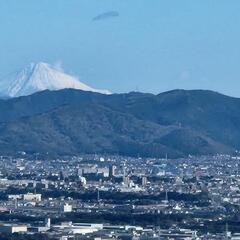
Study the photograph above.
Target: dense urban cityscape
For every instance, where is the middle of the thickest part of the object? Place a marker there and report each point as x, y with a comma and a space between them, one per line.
119, 120
117, 197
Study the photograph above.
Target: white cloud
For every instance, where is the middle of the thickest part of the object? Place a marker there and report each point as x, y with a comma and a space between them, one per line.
58, 65
185, 75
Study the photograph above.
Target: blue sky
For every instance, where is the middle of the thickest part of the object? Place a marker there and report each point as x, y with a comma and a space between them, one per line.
152, 46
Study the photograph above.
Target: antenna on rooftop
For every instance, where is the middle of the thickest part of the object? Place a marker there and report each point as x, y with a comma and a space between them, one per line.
226, 231
166, 196
98, 195
238, 169
124, 171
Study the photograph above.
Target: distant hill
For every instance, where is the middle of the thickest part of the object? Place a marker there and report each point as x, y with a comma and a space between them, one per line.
71, 121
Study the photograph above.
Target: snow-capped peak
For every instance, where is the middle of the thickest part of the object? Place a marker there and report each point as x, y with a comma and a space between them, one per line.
39, 77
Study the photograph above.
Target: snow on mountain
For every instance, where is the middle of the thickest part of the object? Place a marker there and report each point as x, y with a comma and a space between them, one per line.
39, 77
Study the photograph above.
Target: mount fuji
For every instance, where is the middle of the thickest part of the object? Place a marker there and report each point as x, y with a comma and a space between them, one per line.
39, 77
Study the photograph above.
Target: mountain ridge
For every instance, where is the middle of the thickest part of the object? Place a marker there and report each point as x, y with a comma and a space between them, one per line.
178, 123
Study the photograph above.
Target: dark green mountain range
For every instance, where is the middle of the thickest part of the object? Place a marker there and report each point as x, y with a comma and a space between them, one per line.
70, 121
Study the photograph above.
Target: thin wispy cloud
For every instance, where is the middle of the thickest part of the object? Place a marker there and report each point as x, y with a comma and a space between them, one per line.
106, 15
